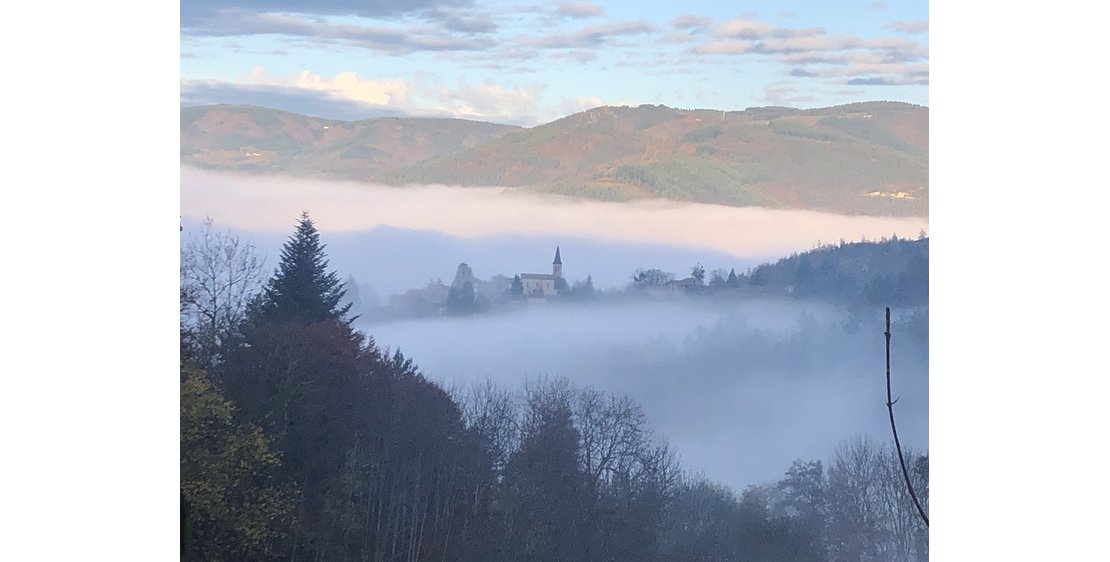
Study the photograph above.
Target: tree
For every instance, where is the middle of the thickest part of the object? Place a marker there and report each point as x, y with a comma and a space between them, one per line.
698, 273
717, 279
760, 276
302, 289
651, 277
517, 289
462, 300
220, 274
231, 507
803, 499
732, 280
583, 290
463, 275
543, 480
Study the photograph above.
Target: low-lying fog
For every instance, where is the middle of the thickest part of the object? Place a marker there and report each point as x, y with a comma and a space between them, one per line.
272, 204
739, 389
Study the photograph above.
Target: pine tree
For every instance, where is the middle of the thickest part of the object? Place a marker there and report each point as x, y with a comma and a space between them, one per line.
302, 289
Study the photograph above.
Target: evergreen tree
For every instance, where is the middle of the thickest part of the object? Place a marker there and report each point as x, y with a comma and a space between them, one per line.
517, 289
462, 300
302, 289
732, 281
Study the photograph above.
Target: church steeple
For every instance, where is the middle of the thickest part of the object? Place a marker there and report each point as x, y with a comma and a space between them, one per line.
557, 265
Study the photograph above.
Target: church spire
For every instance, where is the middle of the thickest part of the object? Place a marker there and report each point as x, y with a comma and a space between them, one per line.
557, 265
558, 260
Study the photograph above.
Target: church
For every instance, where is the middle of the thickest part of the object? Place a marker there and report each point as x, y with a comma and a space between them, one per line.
543, 285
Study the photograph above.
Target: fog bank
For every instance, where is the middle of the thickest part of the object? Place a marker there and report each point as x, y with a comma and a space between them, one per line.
272, 204
740, 389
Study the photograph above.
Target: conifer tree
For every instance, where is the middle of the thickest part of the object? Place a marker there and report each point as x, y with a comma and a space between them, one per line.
302, 289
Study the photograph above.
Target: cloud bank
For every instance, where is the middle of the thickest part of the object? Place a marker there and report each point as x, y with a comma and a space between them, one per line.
272, 204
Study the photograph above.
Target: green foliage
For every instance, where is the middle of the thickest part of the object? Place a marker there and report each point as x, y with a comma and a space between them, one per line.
707, 181
797, 129
603, 191
232, 508
703, 134
872, 131
302, 289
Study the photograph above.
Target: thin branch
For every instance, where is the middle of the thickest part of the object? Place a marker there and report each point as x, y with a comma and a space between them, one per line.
893, 429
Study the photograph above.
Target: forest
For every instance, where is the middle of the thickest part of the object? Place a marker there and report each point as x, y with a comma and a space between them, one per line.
302, 439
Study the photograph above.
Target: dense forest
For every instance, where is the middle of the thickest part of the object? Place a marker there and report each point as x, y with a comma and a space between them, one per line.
302, 439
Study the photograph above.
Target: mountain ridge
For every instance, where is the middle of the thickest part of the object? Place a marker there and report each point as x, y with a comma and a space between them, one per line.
864, 158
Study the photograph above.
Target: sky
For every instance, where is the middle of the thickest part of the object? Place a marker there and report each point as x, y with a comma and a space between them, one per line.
526, 63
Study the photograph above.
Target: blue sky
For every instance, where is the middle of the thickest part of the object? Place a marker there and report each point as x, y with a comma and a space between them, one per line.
523, 62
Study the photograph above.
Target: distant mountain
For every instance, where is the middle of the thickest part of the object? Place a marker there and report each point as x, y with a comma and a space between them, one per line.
244, 138
865, 158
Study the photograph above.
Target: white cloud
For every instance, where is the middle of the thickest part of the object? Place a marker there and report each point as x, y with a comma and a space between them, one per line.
261, 203
427, 96
576, 105
490, 100
392, 92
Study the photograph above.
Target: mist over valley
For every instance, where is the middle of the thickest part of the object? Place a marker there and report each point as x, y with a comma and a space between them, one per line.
740, 389
740, 383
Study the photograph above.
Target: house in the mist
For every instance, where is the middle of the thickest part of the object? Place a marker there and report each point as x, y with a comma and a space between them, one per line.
544, 285
687, 284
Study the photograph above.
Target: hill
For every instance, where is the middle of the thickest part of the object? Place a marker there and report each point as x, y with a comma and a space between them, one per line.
258, 139
890, 272
866, 158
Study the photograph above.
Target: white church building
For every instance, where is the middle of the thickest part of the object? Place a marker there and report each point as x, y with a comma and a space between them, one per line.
543, 285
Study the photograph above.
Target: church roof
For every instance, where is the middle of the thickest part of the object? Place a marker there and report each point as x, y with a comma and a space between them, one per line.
558, 260
537, 276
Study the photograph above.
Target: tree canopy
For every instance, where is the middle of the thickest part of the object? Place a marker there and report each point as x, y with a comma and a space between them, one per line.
302, 289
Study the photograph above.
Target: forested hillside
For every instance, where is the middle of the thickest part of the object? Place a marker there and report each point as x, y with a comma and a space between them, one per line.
865, 158
302, 439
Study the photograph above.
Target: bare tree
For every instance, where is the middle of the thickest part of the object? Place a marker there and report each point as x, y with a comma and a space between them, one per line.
490, 411
855, 477
871, 517
219, 275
